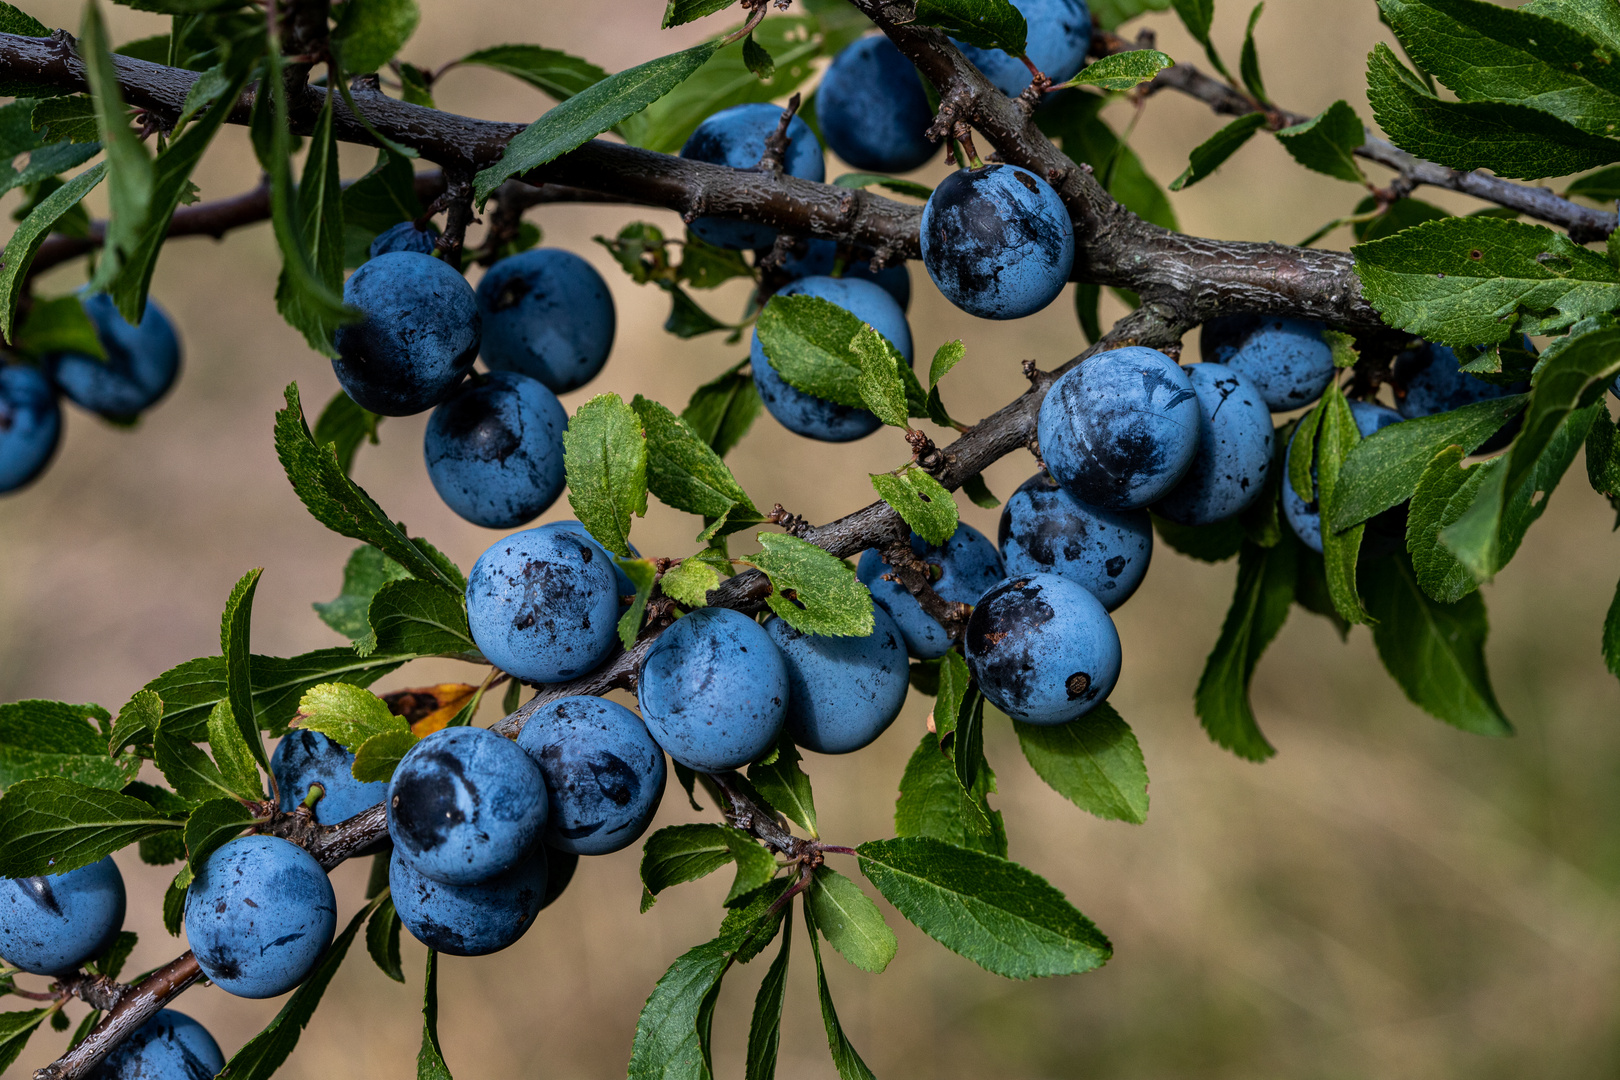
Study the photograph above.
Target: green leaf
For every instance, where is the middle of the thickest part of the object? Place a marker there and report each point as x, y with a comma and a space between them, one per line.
382, 198
1094, 762
347, 714
668, 1043
845, 1059
756, 866
51, 825
921, 501
367, 571
1110, 13
1327, 142
547, 70
1210, 154
807, 339
994, 912
430, 1059
15, 1028
1341, 549
371, 32
264, 1054
933, 803
643, 574
1122, 71
417, 618
1249, 58
1512, 140
684, 472
25, 241
605, 455
786, 786
51, 738
343, 506
130, 179
187, 768
979, 493
967, 739
859, 180
1435, 652
814, 591
879, 382
677, 854
233, 754
946, 357
140, 714
1597, 18
986, 24
379, 756
955, 692
689, 583
758, 59
1601, 186
382, 939
111, 962
234, 628
705, 266
1383, 469
849, 921
1207, 543
58, 325
211, 825
589, 113
1265, 589
14, 20
59, 119
678, 12
1197, 16
726, 80
765, 1027
1485, 52
174, 901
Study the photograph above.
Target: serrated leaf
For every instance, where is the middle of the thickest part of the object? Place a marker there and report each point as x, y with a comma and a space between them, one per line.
677, 854
849, 920
1265, 590
140, 714
174, 901
187, 767
933, 803
367, 571
684, 472
813, 591
15, 1028
921, 501
371, 32
765, 1026
1383, 469
1443, 493
130, 178
1249, 59
232, 753
343, 506
985, 24
689, 583
1122, 71
668, 1043
430, 1058
383, 197
1600, 186
704, 266
643, 575
58, 325
677, 12
234, 630
994, 912
954, 693
845, 1059
1094, 762
758, 59
26, 239
1327, 142
786, 786
807, 340
880, 385
417, 618
380, 755
347, 714
13, 20
1435, 652
382, 939
589, 113
1342, 548
52, 738
547, 70
345, 425
1510, 139
211, 825
52, 825
264, 1054
605, 456
979, 493
1210, 154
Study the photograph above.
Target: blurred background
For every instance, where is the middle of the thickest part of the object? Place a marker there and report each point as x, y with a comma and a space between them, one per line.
1387, 897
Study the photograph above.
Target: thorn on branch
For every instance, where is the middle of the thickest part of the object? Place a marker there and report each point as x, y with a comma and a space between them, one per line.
917, 577
776, 143
457, 200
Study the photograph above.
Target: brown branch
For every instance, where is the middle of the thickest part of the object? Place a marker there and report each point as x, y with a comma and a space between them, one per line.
1585, 224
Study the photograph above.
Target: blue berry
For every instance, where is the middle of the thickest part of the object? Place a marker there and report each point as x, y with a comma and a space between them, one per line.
464, 805
968, 563
997, 241
806, 414
1120, 430
1306, 518
873, 110
1046, 530
1042, 649
1220, 337
469, 920
1428, 381
170, 1046
548, 314
418, 338
56, 923
30, 425
1059, 35
621, 580
817, 257
736, 137
543, 605
604, 774
714, 690
495, 449
1287, 361
843, 692
142, 361
305, 757
406, 237
1234, 449
259, 915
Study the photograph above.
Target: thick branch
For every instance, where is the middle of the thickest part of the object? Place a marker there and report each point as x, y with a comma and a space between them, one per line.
1584, 223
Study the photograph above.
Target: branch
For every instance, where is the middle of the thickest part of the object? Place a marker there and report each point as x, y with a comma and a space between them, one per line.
1584, 223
